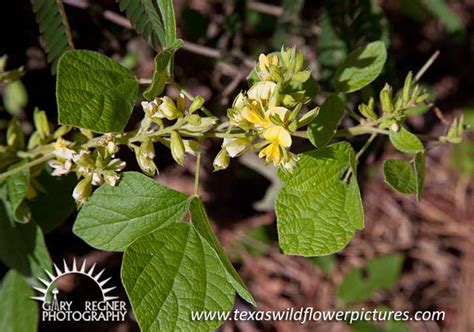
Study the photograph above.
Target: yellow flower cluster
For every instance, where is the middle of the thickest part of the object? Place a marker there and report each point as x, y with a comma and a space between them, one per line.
259, 112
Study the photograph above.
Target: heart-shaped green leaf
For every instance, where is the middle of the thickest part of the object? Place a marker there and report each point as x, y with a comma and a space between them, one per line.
94, 92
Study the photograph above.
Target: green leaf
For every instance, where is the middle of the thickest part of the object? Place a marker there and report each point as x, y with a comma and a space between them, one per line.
22, 246
160, 73
323, 128
15, 97
54, 28
399, 175
172, 272
406, 142
419, 168
317, 212
382, 273
202, 225
114, 217
94, 92
361, 67
17, 311
169, 21
17, 185
51, 207
145, 19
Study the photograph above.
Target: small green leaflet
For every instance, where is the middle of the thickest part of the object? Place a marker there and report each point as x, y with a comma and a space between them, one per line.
382, 274
400, 176
172, 272
17, 185
94, 92
161, 73
404, 177
317, 212
169, 21
17, 311
323, 128
153, 19
361, 67
406, 142
202, 224
114, 217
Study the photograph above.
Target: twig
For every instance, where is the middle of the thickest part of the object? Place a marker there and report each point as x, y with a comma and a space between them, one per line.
196, 174
426, 66
33, 163
353, 114
265, 8
366, 145
202, 50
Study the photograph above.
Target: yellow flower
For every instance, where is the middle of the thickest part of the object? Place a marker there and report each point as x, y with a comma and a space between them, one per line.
254, 114
262, 91
272, 153
278, 135
265, 61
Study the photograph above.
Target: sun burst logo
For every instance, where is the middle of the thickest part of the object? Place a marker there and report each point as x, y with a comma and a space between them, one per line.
53, 277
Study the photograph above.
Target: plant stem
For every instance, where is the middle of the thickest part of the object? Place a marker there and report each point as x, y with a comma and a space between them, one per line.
366, 145
26, 166
196, 174
360, 130
426, 66
354, 115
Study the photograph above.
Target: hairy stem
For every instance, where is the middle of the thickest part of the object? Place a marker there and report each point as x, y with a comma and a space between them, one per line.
32, 163
196, 174
366, 146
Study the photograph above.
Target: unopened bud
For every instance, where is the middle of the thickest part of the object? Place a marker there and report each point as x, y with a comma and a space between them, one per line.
191, 147
168, 109
386, 99
221, 161
111, 178
147, 148
181, 103
15, 137
367, 110
61, 131
197, 103
146, 164
205, 124
87, 133
236, 146
41, 123
82, 191
177, 147
34, 141
406, 88
194, 119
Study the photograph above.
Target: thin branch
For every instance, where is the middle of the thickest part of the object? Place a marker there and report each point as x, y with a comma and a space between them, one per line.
32, 163
426, 66
196, 174
366, 145
265, 8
